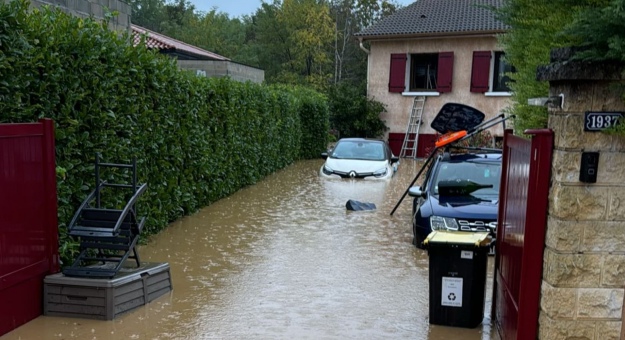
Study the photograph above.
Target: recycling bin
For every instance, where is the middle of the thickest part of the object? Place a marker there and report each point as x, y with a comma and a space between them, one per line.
457, 266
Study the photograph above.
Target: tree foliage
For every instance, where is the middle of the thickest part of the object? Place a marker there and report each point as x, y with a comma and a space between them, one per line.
352, 114
351, 16
536, 27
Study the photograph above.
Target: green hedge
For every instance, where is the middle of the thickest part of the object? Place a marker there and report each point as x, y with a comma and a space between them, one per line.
196, 140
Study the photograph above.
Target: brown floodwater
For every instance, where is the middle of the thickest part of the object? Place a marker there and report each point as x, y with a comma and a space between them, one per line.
284, 259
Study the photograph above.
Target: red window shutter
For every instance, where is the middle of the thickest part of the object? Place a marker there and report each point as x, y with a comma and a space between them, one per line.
397, 76
445, 71
480, 71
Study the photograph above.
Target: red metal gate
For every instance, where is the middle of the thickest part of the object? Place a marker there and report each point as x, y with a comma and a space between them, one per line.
521, 233
28, 219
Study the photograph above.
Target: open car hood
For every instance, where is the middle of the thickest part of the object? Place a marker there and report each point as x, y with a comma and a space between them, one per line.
454, 117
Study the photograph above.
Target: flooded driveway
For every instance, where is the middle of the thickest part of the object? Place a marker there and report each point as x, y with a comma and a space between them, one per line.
283, 259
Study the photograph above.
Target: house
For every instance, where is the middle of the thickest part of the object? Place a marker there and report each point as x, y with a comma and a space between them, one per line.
195, 59
444, 50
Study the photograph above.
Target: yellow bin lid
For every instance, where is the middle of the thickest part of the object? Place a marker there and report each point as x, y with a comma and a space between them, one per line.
476, 239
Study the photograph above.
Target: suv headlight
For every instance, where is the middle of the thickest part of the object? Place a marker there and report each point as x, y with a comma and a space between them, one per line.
443, 223
380, 173
327, 170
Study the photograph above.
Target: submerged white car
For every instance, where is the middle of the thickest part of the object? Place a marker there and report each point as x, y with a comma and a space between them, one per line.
359, 158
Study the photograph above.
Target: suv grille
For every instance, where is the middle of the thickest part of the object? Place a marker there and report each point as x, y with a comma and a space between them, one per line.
490, 226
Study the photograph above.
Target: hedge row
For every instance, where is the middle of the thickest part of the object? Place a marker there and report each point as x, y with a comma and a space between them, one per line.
195, 139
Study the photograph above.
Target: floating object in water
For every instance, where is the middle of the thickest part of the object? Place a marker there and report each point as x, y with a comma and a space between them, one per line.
357, 206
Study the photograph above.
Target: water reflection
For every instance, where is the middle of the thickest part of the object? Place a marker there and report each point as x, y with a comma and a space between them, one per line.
284, 260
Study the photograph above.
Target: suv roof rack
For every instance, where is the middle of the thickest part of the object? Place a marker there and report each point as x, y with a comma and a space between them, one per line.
475, 148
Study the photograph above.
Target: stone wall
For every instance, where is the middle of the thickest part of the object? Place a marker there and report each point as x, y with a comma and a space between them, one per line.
97, 8
584, 260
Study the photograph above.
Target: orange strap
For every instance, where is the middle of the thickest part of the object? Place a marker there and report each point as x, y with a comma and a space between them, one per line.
449, 137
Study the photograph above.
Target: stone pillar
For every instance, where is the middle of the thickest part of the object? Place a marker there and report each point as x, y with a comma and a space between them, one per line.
584, 260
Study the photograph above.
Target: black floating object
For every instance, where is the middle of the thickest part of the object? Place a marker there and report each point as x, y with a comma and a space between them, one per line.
455, 117
357, 206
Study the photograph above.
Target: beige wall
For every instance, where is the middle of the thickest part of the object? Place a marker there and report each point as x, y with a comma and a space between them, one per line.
584, 259
218, 68
399, 106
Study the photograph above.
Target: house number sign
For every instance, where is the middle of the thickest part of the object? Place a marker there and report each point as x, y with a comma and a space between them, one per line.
598, 121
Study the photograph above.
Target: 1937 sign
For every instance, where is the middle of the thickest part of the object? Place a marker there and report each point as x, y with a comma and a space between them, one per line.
598, 121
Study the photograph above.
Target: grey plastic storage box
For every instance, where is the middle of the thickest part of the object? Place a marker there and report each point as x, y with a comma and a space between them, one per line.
105, 299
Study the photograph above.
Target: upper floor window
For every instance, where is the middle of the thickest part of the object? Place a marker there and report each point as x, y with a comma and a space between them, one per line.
500, 75
423, 72
489, 72
426, 72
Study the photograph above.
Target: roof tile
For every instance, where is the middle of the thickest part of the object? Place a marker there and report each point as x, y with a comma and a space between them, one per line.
435, 17
162, 42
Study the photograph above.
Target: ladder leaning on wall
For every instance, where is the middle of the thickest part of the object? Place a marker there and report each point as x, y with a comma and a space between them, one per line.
411, 139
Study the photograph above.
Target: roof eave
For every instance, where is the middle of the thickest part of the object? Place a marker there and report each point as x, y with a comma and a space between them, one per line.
429, 35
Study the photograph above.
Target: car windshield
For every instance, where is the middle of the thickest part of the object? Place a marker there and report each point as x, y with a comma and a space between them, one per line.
480, 172
362, 150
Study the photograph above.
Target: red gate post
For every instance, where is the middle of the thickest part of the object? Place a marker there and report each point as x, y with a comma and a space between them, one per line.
536, 220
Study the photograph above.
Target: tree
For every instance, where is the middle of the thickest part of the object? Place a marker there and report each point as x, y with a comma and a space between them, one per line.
352, 114
536, 27
271, 41
600, 31
148, 13
351, 16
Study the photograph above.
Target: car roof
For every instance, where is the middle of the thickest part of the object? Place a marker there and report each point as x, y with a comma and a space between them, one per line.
472, 156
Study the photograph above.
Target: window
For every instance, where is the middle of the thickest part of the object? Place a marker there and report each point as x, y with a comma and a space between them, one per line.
423, 72
500, 77
488, 73
427, 72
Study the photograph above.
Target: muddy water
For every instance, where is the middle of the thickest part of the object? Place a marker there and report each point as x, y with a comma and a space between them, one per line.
284, 260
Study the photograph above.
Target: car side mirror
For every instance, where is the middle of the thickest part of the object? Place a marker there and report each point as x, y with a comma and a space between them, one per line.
324, 155
394, 159
417, 192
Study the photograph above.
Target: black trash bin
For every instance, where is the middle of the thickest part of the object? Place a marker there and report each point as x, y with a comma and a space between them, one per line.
457, 267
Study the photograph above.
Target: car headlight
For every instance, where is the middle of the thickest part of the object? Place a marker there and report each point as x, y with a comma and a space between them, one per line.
380, 173
443, 223
327, 170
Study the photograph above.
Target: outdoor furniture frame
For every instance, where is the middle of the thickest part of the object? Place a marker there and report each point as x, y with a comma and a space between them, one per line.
108, 237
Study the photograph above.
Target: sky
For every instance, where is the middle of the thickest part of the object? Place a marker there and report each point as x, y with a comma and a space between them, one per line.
237, 8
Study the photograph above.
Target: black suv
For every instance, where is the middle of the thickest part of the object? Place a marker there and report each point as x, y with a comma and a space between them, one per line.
460, 192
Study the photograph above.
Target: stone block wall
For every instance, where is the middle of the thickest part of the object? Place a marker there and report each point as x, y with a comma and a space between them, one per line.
96, 8
584, 259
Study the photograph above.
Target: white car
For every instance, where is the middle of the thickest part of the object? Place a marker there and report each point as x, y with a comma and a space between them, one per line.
359, 158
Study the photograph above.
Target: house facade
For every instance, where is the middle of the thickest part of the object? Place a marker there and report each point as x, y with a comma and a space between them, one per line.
443, 50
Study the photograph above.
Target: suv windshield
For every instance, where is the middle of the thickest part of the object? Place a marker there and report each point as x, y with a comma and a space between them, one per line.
478, 171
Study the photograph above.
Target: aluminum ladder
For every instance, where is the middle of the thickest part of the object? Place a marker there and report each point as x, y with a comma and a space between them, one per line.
411, 139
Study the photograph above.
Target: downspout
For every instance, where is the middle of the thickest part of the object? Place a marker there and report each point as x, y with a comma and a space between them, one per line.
362, 47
